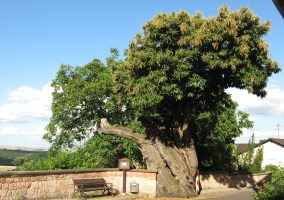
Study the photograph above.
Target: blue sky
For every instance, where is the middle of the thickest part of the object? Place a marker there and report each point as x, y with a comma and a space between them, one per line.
38, 36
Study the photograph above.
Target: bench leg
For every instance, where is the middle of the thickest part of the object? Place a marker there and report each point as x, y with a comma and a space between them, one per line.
109, 191
82, 192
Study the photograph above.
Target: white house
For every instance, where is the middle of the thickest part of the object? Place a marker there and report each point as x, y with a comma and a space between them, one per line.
273, 151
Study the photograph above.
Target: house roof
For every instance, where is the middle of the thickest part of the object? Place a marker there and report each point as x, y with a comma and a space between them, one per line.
243, 147
278, 141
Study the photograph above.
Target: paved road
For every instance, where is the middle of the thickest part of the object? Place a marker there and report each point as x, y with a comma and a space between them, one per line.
218, 194
230, 194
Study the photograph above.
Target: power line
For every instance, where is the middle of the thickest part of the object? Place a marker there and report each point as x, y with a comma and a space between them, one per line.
278, 129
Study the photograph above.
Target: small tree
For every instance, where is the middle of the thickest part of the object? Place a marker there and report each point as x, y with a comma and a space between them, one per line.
251, 160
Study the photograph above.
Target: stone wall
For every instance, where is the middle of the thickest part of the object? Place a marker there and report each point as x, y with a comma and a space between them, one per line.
58, 183
215, 180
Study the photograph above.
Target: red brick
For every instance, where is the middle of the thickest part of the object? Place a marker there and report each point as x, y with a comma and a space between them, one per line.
36, 178
27, 179
3, 180
17, 180
9, 180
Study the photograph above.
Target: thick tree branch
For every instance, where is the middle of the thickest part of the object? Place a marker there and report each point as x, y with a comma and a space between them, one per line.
120, 131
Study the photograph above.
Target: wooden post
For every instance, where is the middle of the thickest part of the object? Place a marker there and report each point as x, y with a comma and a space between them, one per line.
124, 164
124, 181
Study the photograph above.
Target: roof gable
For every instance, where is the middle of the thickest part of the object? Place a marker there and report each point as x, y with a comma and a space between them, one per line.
277, 141
241, 148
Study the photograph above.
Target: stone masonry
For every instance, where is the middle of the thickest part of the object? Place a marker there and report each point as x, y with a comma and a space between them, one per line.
58, 183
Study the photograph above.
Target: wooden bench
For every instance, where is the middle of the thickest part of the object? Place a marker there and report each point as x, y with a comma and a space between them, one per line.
86, 185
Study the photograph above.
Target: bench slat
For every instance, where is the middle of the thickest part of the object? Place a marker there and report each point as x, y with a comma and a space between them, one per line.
91, 189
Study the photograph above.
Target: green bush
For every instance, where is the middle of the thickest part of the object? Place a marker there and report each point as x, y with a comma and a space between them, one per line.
277, 172
273, 190
101, 151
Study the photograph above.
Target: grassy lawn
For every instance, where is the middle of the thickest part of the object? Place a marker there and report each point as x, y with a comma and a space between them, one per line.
6, 168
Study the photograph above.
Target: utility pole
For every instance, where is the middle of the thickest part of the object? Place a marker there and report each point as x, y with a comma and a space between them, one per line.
278, 129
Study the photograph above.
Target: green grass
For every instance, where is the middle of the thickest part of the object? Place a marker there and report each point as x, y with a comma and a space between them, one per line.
7, 156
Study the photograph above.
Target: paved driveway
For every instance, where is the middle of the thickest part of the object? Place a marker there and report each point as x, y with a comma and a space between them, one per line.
227, 194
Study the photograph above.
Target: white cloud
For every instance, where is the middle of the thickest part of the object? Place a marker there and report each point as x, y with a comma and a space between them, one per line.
8, 129
266, 113
24, 117
27, 129
27, 104
23, 134
271, 105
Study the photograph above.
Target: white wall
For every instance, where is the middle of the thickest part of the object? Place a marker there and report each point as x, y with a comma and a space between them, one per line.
273, 154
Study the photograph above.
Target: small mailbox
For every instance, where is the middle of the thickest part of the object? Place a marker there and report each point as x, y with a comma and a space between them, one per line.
134, 187
123, 163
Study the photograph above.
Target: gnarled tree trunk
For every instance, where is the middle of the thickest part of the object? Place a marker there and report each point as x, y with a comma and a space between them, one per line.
176, 164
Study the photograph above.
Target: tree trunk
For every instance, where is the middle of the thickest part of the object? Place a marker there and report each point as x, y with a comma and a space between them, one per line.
176, 166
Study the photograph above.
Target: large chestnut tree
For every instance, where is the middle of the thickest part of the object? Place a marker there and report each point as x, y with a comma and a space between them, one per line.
168, 95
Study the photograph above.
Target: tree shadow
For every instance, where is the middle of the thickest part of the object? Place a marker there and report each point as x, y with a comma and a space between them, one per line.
210, 180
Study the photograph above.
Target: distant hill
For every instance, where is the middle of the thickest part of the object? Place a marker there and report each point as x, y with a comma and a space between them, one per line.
22, 148
8, 153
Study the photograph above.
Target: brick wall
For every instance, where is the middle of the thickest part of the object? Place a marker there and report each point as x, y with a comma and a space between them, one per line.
59, 184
